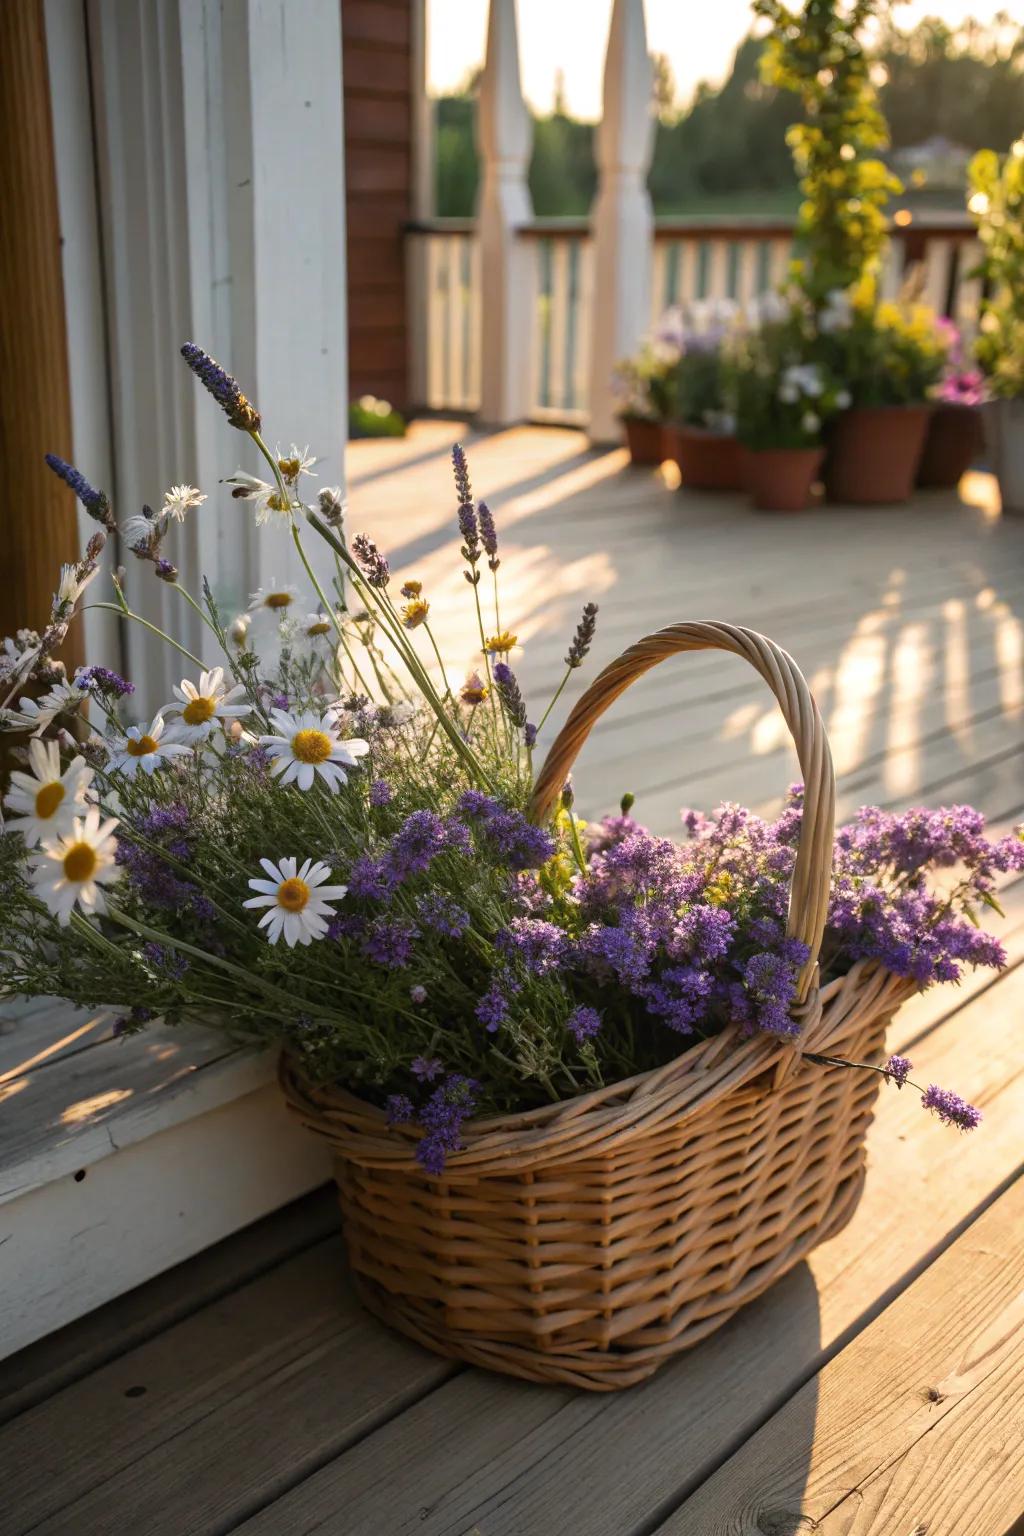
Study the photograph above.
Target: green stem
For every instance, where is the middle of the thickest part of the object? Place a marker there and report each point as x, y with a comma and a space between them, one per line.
555, 698
128, 613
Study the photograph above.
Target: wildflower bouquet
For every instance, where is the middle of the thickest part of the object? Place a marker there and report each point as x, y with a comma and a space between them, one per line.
783, 398
328, 842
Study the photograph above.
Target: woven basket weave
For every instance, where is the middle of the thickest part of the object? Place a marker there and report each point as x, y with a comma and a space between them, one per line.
587, 1242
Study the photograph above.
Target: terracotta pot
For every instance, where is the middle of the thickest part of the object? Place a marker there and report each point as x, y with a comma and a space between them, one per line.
954, 440
708, 461
1004, 430
643, 439
780, 479
874, 453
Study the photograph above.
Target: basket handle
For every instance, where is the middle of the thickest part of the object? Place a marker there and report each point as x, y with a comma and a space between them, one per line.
812, 873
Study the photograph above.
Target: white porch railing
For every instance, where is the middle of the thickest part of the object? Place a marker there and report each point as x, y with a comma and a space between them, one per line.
693, 260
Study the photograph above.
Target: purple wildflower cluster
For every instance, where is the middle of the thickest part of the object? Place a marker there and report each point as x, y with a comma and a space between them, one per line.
505, 832
101, 680
151, 864
441, 1117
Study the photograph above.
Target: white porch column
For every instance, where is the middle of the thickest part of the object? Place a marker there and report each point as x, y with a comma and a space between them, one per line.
622, 221
221, 172
504, 135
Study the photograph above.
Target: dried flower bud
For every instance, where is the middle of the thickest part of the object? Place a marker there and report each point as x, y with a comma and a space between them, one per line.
627, 803
568, 796
332, 506
166, 571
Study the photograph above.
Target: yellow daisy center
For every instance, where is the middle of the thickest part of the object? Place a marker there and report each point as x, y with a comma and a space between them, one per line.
140, 748
79, 862
414, 613
277, 599
48, 799
312, 746
197, 711
289, 468
292, 895
320, 628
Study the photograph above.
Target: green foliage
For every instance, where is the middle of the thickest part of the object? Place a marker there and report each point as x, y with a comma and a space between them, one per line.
782, 398
997, 203
701, 389
885, 354
818, 54
370, 417
965, 84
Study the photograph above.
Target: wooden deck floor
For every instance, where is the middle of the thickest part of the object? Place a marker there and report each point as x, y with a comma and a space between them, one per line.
879, 1388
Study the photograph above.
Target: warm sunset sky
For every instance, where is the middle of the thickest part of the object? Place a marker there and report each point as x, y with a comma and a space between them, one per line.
698, 36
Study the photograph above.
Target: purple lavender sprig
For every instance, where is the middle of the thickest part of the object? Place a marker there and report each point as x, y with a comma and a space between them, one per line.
488, 535
224, 389
510, 694
951, 1108
583, 638
373, 563
95, 502
469, 526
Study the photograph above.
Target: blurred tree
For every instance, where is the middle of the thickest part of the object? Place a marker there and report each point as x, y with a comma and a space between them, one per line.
729, 146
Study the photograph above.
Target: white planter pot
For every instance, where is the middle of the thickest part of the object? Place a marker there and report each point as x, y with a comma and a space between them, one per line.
1005, 432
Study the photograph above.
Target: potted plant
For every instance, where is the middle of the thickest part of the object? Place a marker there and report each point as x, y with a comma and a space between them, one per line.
643, 386
997, 203
701, 438
955, 435
552, 1060
783, 403
890, 358
817, 51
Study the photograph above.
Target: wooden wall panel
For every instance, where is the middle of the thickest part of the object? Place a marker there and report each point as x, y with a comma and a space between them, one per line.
38, 521
377, 64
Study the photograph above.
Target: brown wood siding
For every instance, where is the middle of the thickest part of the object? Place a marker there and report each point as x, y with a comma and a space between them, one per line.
37, 513
377, 64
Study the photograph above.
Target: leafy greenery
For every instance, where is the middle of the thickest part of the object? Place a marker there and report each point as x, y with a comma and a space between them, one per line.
370, 417
997, 202
782, 400
818, 54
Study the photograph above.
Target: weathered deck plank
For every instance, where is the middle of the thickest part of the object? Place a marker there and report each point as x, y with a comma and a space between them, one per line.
918, 1425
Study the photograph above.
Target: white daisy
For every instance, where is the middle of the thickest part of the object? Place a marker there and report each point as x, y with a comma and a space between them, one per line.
62, 699
72, 584
143, 748
316, 626
309, 744
273, 600
72, 868
295, 463
46, 800
180, 499
297, 898
238, 629
202, 707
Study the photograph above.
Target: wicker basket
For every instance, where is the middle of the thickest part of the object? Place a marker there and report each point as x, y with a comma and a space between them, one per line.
589, 1241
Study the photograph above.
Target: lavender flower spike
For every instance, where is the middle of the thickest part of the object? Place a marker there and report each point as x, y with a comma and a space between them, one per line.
224, 389
584, 636
898, 1069
94, 502
488, 535
510, 693
375, 566
461, 468
951, 1108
